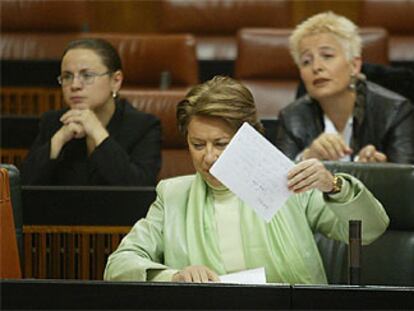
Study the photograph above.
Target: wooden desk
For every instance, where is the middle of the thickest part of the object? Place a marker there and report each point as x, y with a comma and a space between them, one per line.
100, 295
70, 231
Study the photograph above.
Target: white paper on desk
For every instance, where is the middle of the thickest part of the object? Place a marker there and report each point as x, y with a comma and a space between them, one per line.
255, 170
252, 276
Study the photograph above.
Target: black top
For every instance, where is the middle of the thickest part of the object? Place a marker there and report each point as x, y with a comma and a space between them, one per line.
129, 156
381, 118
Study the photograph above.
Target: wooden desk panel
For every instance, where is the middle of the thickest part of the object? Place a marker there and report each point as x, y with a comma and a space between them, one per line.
69, 231
100, 295
32, 101
69, 252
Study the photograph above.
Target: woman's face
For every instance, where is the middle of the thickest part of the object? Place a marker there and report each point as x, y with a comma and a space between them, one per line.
87, 90
207, 138
324, 67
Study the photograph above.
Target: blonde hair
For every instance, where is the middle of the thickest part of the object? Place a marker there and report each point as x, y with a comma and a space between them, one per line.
221, 97
328, 22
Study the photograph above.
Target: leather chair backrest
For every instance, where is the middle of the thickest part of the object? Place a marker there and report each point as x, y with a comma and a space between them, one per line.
265, 66
9, 255
216, 22
24, 46
375, 44
397, 17
43, 16
394, 15
222, 17
388, 260
176, 159
145, 57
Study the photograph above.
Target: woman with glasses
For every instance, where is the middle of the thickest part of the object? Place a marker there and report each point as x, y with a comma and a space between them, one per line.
99, 139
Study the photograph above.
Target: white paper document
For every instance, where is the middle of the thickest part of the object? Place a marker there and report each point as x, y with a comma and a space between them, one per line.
253, 276
255, 170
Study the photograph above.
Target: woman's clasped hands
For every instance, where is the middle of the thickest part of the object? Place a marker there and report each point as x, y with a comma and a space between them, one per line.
78, 123
328, 146
86, 121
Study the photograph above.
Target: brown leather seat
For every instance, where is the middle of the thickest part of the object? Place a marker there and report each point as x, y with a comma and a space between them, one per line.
375, 45
39, 29
215, 23
388, 260
34, 46
144, 57
43, 16
176, 159
9, 256
265, 65
397, 17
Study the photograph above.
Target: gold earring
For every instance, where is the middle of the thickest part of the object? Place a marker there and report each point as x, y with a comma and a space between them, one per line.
114, 95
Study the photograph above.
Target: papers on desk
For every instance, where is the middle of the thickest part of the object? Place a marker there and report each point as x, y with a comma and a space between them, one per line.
255, 170
253, 276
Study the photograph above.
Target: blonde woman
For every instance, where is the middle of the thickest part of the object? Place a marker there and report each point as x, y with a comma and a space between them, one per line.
343, 117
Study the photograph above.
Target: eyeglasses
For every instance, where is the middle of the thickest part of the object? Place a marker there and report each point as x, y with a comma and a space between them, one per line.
85, 77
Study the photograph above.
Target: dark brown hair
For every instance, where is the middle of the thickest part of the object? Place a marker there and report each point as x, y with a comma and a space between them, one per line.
108, 54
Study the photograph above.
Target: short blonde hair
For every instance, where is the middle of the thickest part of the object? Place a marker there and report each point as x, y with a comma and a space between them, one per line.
328, 22
221, 97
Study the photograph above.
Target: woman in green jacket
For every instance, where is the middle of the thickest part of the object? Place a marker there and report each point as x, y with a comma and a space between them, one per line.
197, 229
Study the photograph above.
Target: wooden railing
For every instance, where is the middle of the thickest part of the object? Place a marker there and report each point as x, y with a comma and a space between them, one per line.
69, 252
13, 155
26, 101
30, 100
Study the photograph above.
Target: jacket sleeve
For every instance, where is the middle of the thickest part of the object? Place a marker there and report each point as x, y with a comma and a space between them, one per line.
399, 147
142, 249
285, 140
330, 214
38, 168
138, 166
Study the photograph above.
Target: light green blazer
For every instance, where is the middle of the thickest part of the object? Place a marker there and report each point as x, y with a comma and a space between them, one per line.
179, 231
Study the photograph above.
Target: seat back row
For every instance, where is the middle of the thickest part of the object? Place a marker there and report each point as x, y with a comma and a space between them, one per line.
272, 76
213, 23
144, 57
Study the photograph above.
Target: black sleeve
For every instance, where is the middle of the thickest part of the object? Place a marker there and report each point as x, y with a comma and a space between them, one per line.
400, 140
285, 141
137, 166
38, 168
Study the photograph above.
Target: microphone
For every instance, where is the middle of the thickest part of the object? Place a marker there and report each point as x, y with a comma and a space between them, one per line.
165, 80
354, 252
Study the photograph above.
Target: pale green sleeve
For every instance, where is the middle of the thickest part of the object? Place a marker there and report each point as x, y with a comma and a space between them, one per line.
141, 249
330, 214
161, 275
